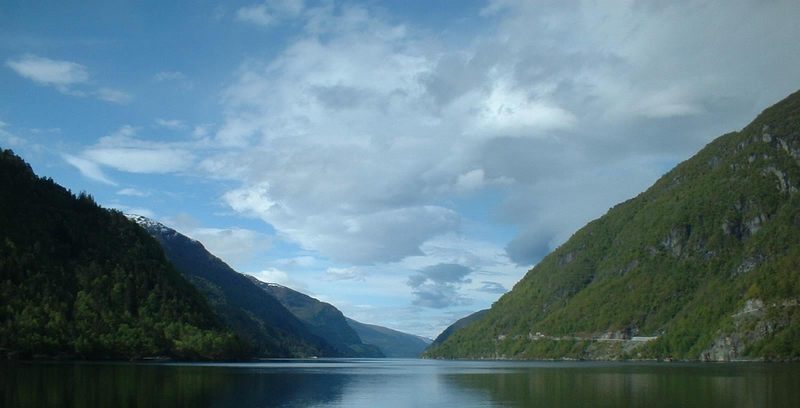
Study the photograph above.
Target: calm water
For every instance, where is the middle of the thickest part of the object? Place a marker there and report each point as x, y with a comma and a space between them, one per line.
399, 383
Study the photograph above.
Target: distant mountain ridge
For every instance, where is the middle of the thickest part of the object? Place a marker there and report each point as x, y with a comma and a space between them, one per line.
295, 324
704, 265
322, 319
392, 343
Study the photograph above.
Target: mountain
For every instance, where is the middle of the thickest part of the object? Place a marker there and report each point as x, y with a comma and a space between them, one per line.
704, 265
254, 314
459, 324
393, 343
322, 319
82, 281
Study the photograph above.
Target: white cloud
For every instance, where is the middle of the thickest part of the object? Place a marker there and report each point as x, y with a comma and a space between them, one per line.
354, 237
253, 201
349, 274
45, 71
255, 14
471, 180
132, 192
69, 78
173, 124
141, 160
113, 95
437, 286
270, 12
328, 142
239, 247
236, 246
123, 151
509, 111
88, 168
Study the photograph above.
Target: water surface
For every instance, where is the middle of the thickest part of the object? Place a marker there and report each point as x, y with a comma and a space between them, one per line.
399, 383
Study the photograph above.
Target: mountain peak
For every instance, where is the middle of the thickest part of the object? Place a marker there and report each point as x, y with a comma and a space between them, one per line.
156, 228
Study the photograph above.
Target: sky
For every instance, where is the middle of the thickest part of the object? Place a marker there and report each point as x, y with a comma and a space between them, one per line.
406, 161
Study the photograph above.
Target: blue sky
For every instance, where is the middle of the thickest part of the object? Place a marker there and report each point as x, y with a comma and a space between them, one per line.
406, 161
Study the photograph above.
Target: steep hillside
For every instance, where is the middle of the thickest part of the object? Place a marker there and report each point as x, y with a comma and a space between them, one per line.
459, 324
705, 265
322, 319
80, 280
253, 314
392, 343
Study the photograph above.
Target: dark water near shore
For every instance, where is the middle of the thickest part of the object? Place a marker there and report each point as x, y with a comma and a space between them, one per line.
399, 383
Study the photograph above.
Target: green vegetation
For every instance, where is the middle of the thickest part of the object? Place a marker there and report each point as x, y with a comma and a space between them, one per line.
77, 279
707, 259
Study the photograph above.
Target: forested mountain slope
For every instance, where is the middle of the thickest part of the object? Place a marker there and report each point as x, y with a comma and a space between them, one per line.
80, 280
705, 264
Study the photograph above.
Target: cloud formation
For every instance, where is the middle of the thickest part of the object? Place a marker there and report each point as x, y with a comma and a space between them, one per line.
123, 151
236, 246
345, 274
436, 286
269, 13
45, 71
89, 169
352, 140
112, 95
68, 77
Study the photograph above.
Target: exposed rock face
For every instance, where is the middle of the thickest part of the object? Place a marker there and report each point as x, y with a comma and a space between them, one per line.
676, 239
748, 265
725, 348
750, 327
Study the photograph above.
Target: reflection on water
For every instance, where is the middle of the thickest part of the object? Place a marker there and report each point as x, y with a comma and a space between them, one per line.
398, 383
642, 385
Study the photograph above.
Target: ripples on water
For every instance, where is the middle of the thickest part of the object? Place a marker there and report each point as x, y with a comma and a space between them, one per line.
399, 383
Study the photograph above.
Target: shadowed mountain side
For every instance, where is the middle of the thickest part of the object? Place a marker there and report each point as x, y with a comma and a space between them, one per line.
392, 343
255, 315
323, 319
